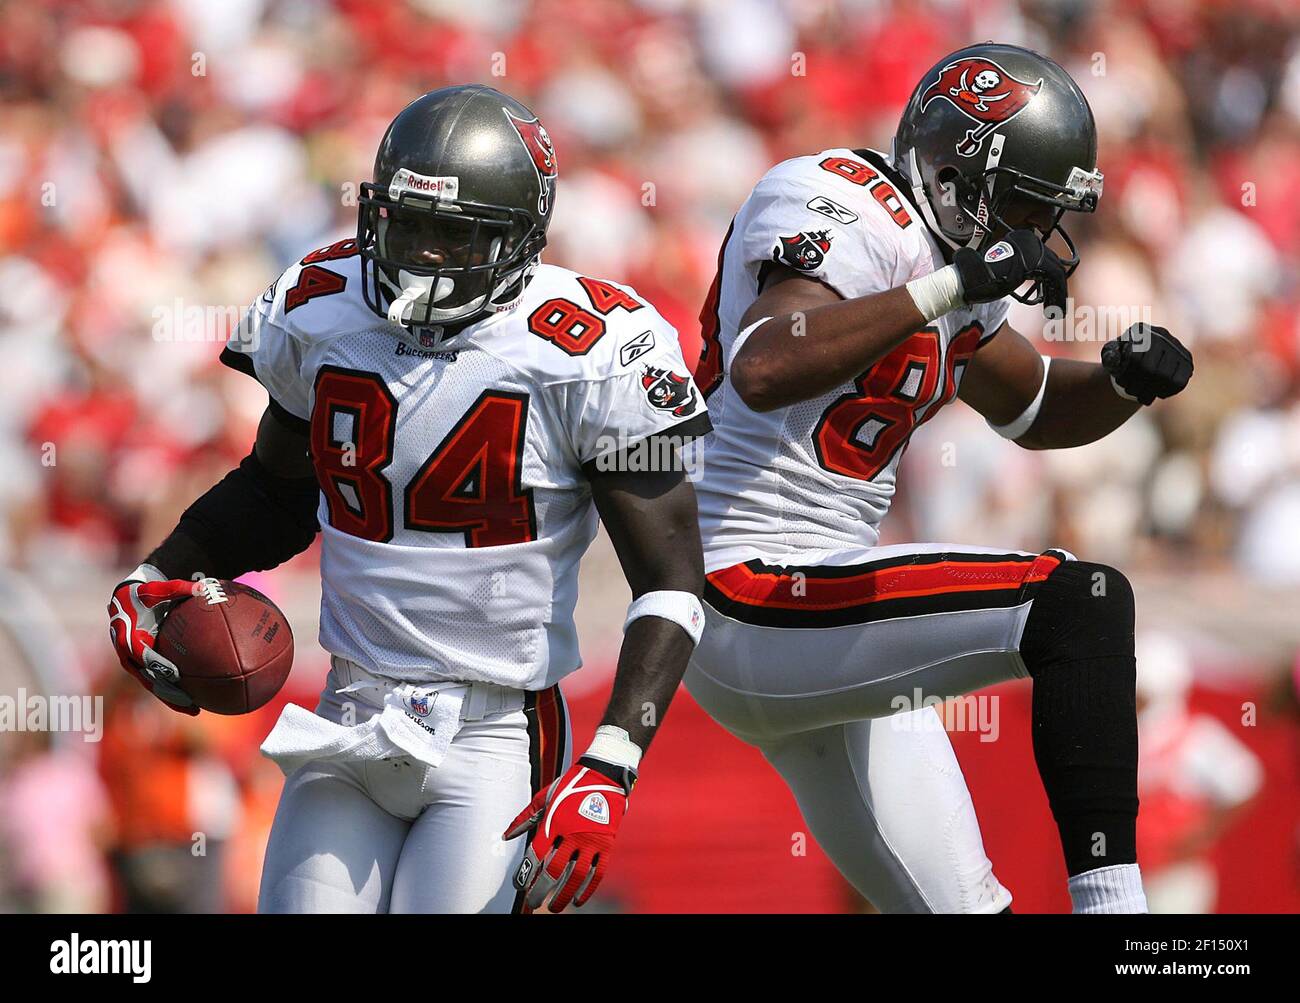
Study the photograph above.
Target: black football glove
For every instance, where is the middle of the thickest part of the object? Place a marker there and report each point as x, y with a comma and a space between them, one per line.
1147, 362
1000, 270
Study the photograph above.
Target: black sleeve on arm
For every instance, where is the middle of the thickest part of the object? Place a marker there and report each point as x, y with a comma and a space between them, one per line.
251, 520
692, 428
289, 420
238, 361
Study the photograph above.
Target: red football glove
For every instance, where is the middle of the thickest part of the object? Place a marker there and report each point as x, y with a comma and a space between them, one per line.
576, 820
135, 613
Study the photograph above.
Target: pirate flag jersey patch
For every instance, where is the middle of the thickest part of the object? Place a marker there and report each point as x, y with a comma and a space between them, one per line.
666, 391
805, 251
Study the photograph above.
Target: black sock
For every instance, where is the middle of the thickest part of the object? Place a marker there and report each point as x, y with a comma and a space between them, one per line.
1078, 647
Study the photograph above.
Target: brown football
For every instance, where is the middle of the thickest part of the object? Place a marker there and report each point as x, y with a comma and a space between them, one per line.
233, 647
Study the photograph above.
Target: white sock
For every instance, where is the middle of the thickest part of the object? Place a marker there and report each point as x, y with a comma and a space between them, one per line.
1108, 891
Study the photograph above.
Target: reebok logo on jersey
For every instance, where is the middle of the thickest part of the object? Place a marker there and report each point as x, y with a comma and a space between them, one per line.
595, 808
804, 251
833, 210
636, 347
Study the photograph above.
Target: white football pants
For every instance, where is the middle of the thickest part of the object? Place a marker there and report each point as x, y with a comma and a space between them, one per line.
806, 662
362, 834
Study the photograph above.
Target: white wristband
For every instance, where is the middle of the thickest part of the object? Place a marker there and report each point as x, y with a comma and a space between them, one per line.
937, 293
1015, 429
1122, 392
612, 745
682, 608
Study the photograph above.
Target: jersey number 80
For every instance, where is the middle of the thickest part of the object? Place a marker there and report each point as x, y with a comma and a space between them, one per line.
860, 433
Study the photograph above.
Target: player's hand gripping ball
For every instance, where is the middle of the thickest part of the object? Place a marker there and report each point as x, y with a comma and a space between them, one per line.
216, 645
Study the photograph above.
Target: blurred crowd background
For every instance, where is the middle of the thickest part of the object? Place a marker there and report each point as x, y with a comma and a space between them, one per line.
161, 162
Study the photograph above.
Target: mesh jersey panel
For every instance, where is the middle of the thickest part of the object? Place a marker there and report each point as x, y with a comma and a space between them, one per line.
407, 589
766, 492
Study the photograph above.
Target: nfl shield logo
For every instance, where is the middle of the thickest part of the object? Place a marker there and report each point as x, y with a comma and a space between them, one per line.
421, 704
998, 251
596, 808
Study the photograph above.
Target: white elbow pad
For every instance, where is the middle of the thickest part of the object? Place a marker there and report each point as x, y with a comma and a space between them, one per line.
682, 608
1019, 426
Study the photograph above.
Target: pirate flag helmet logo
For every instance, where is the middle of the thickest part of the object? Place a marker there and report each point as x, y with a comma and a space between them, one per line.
537, 142
983, 91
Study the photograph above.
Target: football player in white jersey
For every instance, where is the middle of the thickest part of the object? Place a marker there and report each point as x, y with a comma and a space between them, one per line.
454, 418
857, 294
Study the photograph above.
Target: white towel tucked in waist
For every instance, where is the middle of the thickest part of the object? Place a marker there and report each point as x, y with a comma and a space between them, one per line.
414, 721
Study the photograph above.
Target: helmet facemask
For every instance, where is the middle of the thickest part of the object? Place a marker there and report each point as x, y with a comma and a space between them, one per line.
1003, 191
432, 261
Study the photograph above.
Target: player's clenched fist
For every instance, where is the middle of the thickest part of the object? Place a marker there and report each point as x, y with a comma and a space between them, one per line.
1146, 362
574, 822
135, 612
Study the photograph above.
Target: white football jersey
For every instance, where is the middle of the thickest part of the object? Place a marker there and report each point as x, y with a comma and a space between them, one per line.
454, 508
818, 476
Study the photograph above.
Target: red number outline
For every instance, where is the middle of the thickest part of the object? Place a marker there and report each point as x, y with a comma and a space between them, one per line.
479, 530
605, 296
708, 370
853, 171
333, 252
370, 401
366, 397
878, 395
558, 330
314, 281
860, 174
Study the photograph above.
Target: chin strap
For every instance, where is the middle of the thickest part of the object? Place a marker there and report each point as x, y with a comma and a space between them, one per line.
419, 289
982, 227
398, 309
514, 284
